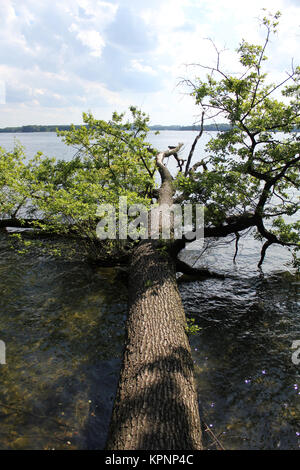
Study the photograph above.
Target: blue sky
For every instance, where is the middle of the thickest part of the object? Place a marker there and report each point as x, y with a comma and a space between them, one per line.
59, 58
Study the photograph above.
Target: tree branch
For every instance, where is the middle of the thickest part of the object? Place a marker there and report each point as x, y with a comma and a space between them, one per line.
187, 167
237, 238
195, 273
19, 223
239, 224
166, 189
263, 252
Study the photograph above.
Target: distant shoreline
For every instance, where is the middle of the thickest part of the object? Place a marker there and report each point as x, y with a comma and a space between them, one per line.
41, 128
222, 127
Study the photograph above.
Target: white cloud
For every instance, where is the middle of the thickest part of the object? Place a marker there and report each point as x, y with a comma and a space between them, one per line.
101, 55
90, 38
2, 92
110, 97
140, 67
98, 10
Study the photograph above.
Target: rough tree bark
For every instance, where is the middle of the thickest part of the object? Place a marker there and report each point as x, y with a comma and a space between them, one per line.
156, 406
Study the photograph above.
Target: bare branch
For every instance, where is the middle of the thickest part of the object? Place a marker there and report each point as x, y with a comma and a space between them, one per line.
194, 146
263, 252
163, 170
166, 189
195, 273
237, 237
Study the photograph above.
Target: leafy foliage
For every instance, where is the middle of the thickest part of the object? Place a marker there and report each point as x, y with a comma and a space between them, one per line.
248, 177
191, 327
112, 160
252, 168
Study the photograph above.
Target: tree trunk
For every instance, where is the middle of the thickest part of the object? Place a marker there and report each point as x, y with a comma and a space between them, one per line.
156, 406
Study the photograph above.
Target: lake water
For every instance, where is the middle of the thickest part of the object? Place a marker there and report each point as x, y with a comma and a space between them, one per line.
63, 325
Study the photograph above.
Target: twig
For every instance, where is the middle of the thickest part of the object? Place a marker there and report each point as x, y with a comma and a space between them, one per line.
216, 440
193, 147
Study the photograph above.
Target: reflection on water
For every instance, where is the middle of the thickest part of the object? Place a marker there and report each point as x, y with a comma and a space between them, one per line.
63, 325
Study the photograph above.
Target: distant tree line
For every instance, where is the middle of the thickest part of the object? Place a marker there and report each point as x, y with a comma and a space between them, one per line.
207, 127
222, 127
39, 128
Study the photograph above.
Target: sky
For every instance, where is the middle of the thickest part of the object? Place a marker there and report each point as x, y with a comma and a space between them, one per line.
59, 58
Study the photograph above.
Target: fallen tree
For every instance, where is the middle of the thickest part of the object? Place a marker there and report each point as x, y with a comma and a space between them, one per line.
244, 181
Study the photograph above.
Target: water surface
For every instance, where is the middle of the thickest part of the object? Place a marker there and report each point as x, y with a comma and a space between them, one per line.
63, 324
